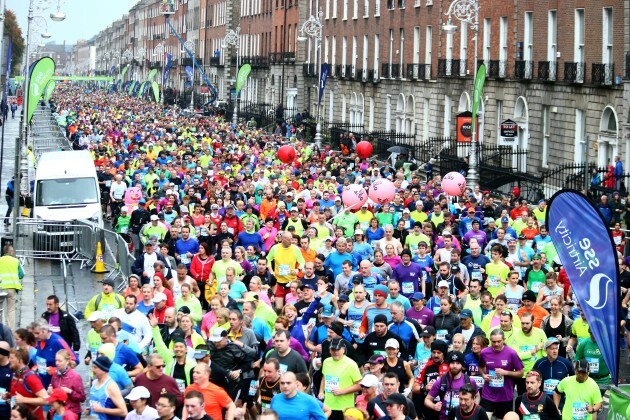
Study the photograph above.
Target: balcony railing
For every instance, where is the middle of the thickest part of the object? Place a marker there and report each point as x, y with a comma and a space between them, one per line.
523, 70
386, 70
349, 74
497, 69
450, 68
282, 58
627, 77
602, 74
573, 72
396, 71
547, 71
215, 61
337, 72
155, 64
308, 69
358, 74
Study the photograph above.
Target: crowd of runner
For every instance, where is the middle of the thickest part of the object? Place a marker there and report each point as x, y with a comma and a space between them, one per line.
256, 294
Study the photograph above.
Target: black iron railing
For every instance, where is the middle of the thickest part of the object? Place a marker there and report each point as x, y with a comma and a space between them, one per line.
602, 74
523, 70
573, 72
386, 69
547, 71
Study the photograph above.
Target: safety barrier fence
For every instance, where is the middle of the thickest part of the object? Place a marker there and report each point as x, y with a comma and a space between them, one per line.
75, 241
46, 134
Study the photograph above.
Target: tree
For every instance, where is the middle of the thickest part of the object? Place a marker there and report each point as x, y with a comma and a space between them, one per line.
12, 29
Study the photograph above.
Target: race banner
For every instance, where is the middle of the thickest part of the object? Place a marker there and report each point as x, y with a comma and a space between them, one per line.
190, 73
241, 78
42, 71
167, 68
122, 75
131, 86
480, 79
141, 89
587, 252
112, 70
156, 91
50, 87
322, 82
145, 87
619, 403
152, 74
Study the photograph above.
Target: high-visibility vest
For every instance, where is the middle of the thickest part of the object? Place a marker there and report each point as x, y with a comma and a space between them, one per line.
9, 278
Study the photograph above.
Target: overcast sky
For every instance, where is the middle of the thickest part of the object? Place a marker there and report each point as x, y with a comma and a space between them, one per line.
84, 18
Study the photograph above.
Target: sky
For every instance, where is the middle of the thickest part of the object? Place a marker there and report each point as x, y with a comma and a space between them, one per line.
84, 18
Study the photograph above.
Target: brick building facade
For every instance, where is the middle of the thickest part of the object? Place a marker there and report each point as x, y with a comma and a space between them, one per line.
557, 68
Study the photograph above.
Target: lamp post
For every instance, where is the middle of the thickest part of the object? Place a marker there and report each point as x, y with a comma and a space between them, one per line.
190, 46
232, 39
467, 11
313, 28
21, 143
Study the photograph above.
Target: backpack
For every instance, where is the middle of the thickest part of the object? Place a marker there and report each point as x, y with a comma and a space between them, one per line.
26, 375
100, 297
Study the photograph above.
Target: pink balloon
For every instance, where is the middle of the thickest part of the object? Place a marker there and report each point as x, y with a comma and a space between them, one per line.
382, 191
454, 183
354, 196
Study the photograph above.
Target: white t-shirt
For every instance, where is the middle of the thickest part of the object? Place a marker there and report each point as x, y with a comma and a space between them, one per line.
149, 413
118, 190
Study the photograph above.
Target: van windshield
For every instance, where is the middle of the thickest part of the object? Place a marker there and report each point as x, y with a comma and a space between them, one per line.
59, 192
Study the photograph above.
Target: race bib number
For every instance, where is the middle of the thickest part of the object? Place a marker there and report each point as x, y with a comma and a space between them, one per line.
184, 259
478, 381
108, 183
476, 275
331, 382
617, 240
284, 269
124, 229
42, 368
531, 416
536, 287
441, 335
494, 281
496, 381
593, 364
108, 308
181, 385
436, 310
2, 391
354, 328
407, 288
550, 385
452, 399
253, 387
579, 411
283, 368
529, 349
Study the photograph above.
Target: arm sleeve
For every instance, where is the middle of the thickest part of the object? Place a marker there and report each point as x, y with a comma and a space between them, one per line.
76, 338
146, 333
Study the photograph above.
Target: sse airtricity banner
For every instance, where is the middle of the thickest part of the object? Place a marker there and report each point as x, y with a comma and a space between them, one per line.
588, 254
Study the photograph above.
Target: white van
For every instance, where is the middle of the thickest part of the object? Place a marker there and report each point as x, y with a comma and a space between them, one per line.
66, 188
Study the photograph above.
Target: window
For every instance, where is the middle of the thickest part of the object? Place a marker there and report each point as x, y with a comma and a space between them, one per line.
355, 9
446, 130
326, 42
503, 38
334, 51
390, 4
428, 42
366, 11
416, 45
552, 42
401, 52
388, 113
401, 4
391, 47
345, 9
377, 51
377, 8
463, 47
546, 135
449, 53
425, 119
344, 50
334, 9
366, 47
528, 36
327, 9
607, 35
353, 60
416, 3
487, 28
580, 135
371, 122
499, 118
578, 47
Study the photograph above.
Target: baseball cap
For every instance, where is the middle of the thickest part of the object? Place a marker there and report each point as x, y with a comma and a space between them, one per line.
521, 236
455, 356
343, 298
504, 220
417, 296
581, 366
60, 396
328, 312
95, 316
375, 359
200, 354
358, 232
466, 313
159, 297
551, 341
428, 331
218, 334
154, 217
369, 381
137, 393
396, 398
392, 343
529, 295
307, 286
337, 198
536, 257
442, 283
337, 343
142, 201
406, 211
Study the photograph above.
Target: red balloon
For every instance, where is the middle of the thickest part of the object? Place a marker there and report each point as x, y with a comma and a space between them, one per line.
364, 149
286, 154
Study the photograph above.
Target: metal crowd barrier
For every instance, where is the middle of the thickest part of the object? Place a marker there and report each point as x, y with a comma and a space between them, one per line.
46, 134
